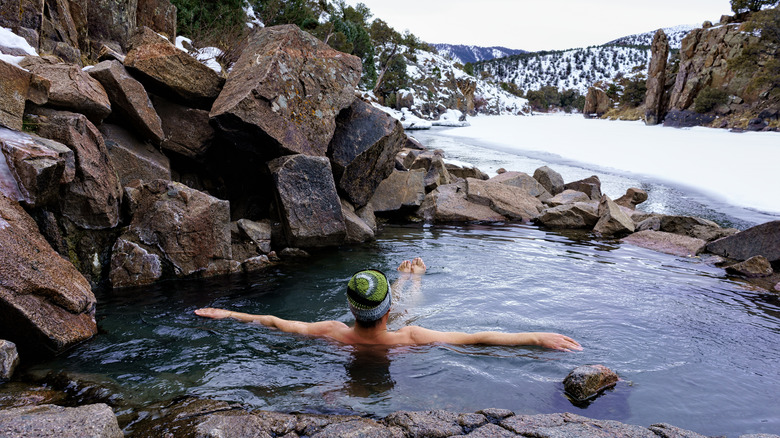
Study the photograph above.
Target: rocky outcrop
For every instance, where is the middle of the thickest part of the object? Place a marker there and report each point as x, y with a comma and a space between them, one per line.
704, 57
761, 240
92, 199
36, 168
287, 87
170, 71
597, 103
96, 420
158, 15
656, 79
45, 304
9, 359
308, 204
363, 149
129, 100
70, 88
587, 381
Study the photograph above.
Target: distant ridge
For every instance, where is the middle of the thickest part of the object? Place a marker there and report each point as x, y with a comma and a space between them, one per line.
463, 53
675, 35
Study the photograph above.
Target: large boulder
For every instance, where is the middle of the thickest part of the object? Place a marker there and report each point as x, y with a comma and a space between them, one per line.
132, 158
668, 243
612, 220
46, 306
448, 203
437, 174
36, 168
524, 182
597, 103
187, 130
70, 88
189, 229
363, 149
762, 240
401, 189
287, 87
579, 215
551, 180
129, 100
358, 231
93, 198
465, 172
308, 204
96, 420
506, 200
656, 79
171, 71
9, 359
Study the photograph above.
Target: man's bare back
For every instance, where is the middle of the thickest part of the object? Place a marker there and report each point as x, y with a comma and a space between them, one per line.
380, 335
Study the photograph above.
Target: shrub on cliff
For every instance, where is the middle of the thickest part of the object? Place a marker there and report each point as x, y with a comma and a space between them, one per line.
709, 98
739, 6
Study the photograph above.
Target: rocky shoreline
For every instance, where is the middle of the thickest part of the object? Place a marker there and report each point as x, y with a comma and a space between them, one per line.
145, 165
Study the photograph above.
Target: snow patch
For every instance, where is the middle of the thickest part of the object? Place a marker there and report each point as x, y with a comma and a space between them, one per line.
10, 40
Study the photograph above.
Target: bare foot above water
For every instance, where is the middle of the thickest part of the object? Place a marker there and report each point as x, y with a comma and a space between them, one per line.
416, 266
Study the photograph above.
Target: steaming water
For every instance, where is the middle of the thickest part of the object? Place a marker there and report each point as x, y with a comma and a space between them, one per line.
694, 348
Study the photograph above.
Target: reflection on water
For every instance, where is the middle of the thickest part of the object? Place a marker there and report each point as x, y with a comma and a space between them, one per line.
686, 341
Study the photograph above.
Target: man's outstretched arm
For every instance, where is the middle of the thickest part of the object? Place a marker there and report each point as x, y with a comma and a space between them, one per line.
555, 341
322, 328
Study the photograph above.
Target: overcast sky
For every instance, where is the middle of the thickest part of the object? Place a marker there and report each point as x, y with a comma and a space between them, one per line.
539, 24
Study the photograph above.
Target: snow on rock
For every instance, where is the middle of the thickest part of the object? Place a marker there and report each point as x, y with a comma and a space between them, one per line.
206, 55
674, 34
451, 117
408, 120
252, 20
14, 48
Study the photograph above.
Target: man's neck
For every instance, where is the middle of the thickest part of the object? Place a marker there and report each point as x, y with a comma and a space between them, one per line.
372, 332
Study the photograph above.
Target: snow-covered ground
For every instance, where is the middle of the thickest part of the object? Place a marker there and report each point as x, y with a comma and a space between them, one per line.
739, 169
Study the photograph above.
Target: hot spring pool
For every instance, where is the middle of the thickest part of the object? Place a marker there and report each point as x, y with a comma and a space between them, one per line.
694, 348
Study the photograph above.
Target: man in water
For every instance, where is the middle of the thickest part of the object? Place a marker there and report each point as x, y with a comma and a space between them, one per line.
369, 296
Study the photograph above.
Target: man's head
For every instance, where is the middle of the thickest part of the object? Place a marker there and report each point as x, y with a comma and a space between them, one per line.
369, 296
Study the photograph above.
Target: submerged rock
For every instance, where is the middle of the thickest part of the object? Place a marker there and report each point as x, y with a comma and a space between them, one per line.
587, 381
756, 266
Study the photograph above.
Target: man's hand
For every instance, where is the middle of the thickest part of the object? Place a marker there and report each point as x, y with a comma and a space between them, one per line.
557, 341
210, 312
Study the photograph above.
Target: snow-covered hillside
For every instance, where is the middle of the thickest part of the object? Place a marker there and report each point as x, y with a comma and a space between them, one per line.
570, 69
436, 81
674, 34
463, 53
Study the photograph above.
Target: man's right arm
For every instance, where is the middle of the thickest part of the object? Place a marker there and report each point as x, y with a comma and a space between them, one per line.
322, 328
420, 335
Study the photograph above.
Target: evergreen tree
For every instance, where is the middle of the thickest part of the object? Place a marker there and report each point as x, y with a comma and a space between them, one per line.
739, 6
